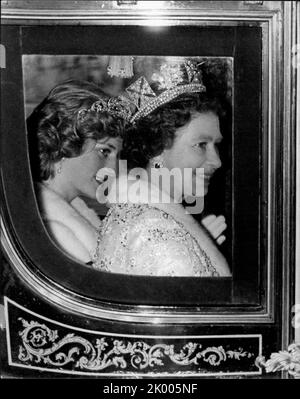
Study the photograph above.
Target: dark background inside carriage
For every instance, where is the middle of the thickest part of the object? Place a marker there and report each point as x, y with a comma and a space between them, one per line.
235, 191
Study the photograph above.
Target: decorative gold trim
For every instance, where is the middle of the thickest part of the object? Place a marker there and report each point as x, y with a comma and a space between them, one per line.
48, 345
43, 346
283, 361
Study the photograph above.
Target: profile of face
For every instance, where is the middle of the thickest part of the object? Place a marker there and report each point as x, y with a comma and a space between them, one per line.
194, 147
77, 175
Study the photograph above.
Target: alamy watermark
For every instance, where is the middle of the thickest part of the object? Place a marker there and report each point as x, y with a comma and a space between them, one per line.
160, 185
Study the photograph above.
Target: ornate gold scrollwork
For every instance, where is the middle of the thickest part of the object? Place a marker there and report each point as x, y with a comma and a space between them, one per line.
43, 345
283, 361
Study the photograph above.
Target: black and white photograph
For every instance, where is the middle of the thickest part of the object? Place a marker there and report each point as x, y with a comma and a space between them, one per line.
150, 176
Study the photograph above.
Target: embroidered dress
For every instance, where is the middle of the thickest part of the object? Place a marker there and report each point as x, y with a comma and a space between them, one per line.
155, 239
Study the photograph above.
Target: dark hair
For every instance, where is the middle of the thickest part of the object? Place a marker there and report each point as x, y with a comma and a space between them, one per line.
54, 131
155, 132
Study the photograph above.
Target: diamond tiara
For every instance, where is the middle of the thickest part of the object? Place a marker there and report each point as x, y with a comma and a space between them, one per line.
115, 106
166, 97
172, 80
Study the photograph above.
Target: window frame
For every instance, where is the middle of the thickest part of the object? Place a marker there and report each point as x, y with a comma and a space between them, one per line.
27, 268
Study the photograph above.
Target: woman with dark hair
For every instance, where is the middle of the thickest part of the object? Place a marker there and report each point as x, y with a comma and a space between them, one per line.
73, 133
147, 231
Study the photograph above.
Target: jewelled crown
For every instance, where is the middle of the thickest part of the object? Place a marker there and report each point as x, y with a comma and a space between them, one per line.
169, 82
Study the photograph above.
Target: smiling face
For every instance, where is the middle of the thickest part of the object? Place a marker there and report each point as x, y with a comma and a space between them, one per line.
195, 146
78, 174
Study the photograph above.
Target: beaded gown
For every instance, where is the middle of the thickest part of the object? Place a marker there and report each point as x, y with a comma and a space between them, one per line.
154, 238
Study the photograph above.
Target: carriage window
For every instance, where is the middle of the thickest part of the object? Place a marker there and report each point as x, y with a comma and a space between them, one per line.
193, 108
199, 142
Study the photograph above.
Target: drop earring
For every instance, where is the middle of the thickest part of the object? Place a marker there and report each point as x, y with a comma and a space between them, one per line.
158, 164
59, 169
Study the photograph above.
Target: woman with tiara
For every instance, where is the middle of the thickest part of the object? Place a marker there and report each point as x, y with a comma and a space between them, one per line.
174, 128
75, 131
